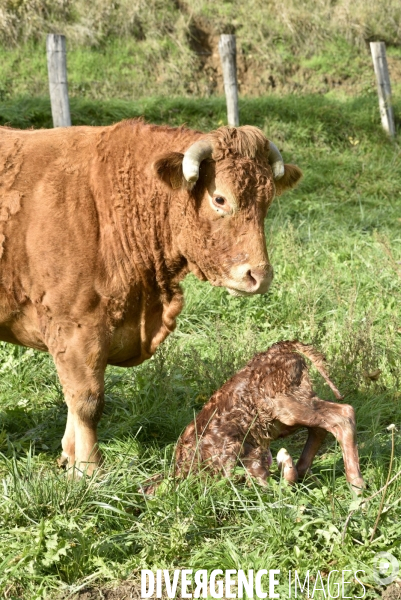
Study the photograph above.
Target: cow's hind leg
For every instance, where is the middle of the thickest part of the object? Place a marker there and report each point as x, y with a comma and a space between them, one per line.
80, 366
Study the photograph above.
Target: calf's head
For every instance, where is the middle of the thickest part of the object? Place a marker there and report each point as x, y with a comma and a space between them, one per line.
222, 187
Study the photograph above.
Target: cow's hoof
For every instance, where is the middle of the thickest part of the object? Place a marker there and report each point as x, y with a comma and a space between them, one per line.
150, 486
84, 469
77, 471
75, 474
62, 462
358, 487
262, 481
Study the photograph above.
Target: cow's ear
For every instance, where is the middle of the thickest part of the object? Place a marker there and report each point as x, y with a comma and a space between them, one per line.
292, 175
168, 168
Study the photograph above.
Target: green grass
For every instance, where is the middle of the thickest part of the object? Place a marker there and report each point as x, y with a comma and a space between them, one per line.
336, 248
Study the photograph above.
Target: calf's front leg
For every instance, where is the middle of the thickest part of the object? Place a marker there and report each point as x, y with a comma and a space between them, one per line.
257, 461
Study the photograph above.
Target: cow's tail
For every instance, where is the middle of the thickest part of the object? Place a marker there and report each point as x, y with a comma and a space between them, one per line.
319, 361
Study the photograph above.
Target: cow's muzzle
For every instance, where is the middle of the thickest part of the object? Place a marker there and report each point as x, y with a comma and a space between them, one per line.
247, 280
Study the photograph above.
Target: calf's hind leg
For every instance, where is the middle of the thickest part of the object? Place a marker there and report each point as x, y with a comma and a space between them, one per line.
338, 419
315, 439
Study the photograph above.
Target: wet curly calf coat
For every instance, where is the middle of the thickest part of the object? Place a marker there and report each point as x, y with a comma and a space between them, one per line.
270, 398
98, 226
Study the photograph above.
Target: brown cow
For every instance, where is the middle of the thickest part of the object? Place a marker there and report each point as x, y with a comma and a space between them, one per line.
98, 226
270, 398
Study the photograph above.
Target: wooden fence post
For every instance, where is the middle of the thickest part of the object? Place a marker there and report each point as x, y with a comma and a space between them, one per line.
57, 69
228, 51
378, 50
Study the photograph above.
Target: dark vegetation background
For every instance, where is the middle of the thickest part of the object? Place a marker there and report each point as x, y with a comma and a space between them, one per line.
306, 79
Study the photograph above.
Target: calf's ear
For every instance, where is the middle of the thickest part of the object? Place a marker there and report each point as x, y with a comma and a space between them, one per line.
292, 175
168, 168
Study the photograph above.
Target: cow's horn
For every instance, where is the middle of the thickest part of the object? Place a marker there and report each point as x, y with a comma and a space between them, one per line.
193, 158
276, 161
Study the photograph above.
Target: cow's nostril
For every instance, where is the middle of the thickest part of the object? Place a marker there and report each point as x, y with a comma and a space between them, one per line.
251, 278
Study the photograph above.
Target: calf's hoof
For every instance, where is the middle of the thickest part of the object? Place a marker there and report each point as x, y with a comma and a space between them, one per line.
286, 466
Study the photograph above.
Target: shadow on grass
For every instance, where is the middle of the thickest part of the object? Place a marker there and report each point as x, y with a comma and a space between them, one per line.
155, 421
340, 118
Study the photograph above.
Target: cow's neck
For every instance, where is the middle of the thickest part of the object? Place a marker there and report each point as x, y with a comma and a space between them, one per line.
138, 246
138, 249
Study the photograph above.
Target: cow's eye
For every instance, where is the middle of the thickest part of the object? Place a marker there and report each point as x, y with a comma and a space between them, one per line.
221, 203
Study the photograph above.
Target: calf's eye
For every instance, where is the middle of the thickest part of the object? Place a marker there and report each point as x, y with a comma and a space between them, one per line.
220, 201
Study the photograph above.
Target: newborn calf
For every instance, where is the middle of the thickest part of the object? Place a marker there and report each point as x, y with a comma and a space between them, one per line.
270, 398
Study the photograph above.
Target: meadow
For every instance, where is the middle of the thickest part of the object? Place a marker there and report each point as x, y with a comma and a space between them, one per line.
130, 50
335, 245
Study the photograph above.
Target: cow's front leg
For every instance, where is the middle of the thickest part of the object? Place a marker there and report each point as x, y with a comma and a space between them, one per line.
85, 407
81, 361
68, 441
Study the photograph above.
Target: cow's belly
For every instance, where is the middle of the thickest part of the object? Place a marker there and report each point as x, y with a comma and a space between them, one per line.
133, 340
126, 345
20, 327
137, 338
22, 333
